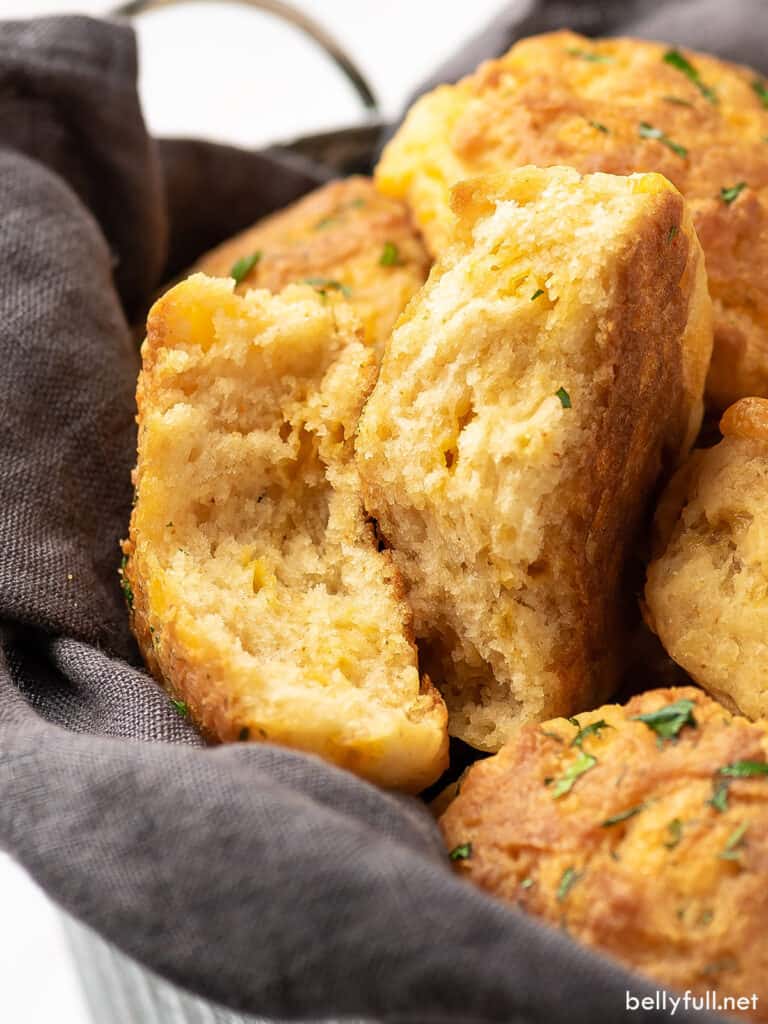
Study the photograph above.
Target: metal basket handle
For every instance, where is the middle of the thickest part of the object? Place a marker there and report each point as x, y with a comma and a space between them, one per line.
286, 12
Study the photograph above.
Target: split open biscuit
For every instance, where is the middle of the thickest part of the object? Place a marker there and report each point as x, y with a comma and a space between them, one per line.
529, 399
260, 598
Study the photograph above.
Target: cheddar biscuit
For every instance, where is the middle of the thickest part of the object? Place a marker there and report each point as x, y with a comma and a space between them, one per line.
531, 394
259, 597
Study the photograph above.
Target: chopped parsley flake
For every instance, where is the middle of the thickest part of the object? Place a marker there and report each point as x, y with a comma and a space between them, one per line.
461, 852
744, 769
242, 267
623, 816
390, 255
583, 763
565, 398
125, 583
675, 829
761, 90
667, 722
599, 127
589, 730
589, 55
672, 233
676, 60
323, 284
647, 131
526, 883
677, 101
729, 194
731, 850
719, 798
537, 293
181, 707
570, 877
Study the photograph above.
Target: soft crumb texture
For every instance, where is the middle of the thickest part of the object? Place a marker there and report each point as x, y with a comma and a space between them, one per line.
530, 396
707, 589
259, 596
616, 105
628, 835
351, 242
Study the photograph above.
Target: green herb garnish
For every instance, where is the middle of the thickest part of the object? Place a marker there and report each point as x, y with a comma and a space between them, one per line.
180, 706
125, 583
593, 58
461, 852
323, 284
390, 255
677, 60
526, 883
582, 764
624, 816
719, 798
242, 267
599, 127
744, 769
671, 234
761, 89
589, 730
731, 850
677, 101
647, 131
668, 721
565, 398
729, 194
570, 877
537, 293
675, 829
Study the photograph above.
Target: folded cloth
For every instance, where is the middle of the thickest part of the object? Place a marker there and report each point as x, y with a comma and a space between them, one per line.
254, 876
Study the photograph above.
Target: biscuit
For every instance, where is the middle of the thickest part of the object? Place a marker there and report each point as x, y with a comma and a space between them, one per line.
641, 830
707, 586
259, 597
550, 369
352, 243
615, 105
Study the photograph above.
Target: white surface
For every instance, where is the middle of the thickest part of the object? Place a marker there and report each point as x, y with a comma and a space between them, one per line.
224, 72
37, 976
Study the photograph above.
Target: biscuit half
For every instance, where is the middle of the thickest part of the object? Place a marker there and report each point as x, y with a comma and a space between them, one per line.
260, 598
531, 395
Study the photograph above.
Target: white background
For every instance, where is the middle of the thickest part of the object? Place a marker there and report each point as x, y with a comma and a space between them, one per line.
235, 75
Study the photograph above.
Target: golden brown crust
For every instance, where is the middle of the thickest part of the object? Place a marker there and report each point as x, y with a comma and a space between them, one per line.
345, 233
747, 418
258, 596
634, 859
564, 99
511, 513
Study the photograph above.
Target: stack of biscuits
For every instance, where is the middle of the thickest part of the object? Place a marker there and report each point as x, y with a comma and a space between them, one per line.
422, 457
